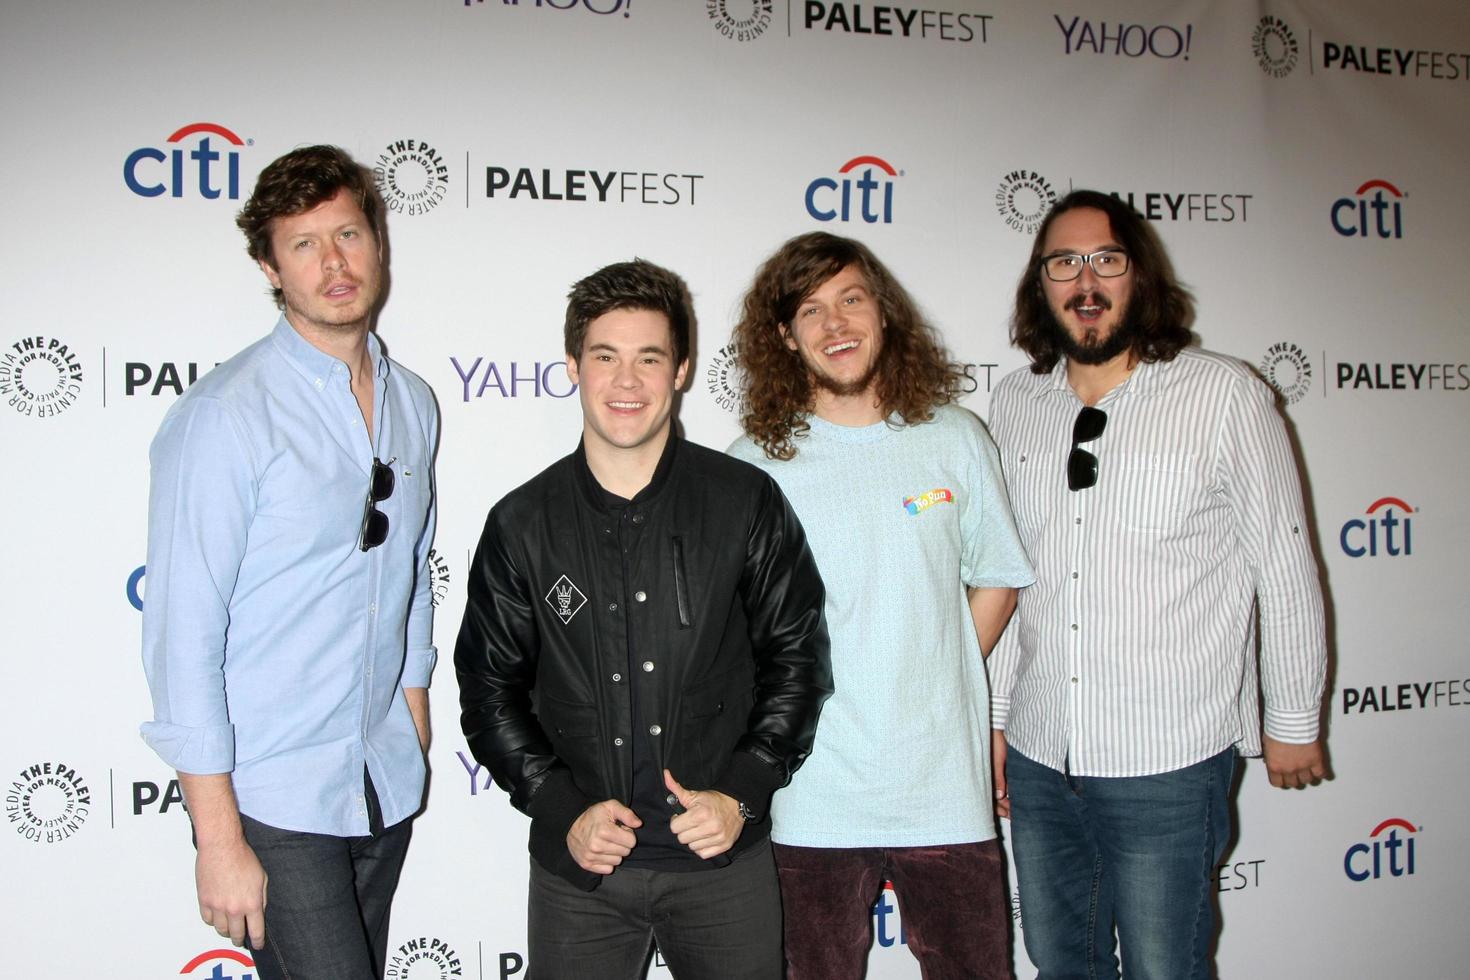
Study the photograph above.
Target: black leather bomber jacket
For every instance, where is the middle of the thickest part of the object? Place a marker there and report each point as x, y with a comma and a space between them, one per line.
721, 586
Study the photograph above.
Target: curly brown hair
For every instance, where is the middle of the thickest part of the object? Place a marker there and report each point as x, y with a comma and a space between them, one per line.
298, 182
1159, 309
915, 373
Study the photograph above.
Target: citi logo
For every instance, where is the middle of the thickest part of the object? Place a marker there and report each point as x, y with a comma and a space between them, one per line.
1381, 531
1386, 852
229, 964
885, 934
134, 587
1350, 217
152, 172
829, 199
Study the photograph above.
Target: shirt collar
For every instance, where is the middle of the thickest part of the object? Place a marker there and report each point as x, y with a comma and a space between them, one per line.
601, 499
1145, 379
317, 366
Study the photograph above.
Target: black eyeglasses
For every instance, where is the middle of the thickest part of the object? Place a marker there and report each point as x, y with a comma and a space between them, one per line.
1081, 464
1105, 263
375, 522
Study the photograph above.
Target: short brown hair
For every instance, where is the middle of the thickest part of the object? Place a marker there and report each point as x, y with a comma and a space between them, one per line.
635, 285
915, 372
298, 182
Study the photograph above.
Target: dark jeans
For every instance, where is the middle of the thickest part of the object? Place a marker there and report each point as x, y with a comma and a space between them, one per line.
1135, 852
327, 898
952, 898
715, 924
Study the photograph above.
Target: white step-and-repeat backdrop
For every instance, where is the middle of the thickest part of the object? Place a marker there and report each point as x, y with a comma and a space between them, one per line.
1304, 162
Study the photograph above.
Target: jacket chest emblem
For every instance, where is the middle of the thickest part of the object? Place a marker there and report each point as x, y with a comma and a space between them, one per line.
565, 599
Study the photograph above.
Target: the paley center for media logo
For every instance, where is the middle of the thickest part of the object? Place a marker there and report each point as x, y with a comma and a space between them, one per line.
1275, 46
1023, 198
47, 802
412, 176
40, 377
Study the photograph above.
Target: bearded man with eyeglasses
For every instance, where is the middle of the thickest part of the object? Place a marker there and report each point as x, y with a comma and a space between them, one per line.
287, 629
1156, 492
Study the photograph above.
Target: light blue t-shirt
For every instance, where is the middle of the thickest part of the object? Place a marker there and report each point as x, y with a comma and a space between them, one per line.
901, 519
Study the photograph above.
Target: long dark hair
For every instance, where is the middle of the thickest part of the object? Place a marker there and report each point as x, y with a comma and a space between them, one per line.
1159, 309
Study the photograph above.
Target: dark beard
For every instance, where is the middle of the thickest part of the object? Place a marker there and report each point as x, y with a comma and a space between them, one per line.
1123, 338
844, 389
847, 389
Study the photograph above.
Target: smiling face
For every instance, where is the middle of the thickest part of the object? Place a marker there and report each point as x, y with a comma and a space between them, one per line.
838, 332
1090, 312
626, 379
327, 264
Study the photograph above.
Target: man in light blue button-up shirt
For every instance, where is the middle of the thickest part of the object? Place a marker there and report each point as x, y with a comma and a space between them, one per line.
287, 631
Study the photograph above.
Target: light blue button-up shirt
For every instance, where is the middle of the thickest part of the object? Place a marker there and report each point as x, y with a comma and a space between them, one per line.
275, 649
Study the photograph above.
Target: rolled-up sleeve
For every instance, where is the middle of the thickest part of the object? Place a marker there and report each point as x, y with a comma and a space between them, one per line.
201, 497
420, 653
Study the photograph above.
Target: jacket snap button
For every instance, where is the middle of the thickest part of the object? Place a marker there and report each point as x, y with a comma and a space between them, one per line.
654, 730
641, 596
648, 666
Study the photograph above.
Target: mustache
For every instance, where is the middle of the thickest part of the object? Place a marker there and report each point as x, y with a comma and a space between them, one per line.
1088, 299
332, 282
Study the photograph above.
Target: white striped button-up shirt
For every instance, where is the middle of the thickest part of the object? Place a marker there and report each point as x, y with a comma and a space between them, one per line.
1134, 652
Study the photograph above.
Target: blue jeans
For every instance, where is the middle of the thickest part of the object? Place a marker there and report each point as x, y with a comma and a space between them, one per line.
327, 898
712, 924
1134, 853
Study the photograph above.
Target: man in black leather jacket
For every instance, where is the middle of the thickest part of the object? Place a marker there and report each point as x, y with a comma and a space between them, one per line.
644, 616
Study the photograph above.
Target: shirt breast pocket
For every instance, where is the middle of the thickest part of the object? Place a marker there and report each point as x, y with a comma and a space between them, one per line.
411, 492
1032, 480
1154, 490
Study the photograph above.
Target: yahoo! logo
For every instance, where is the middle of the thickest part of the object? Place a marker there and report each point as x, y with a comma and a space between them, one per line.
146, 179
1367, 860
511, 379
871, 206
1350, 214
1386, 533
480, 777
220, 959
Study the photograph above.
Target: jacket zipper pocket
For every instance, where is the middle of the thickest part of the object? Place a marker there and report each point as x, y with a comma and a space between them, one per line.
681, 584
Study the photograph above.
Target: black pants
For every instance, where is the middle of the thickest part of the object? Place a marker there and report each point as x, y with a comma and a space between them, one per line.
327, 898
716, 924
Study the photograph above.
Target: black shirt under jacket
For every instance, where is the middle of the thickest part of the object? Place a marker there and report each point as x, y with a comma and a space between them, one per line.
722, 605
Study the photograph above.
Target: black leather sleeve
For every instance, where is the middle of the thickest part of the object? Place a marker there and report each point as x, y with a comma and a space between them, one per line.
495, 660
784, 598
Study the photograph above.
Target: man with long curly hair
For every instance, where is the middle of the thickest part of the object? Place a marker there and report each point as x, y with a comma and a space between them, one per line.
1157, 494
850, 405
